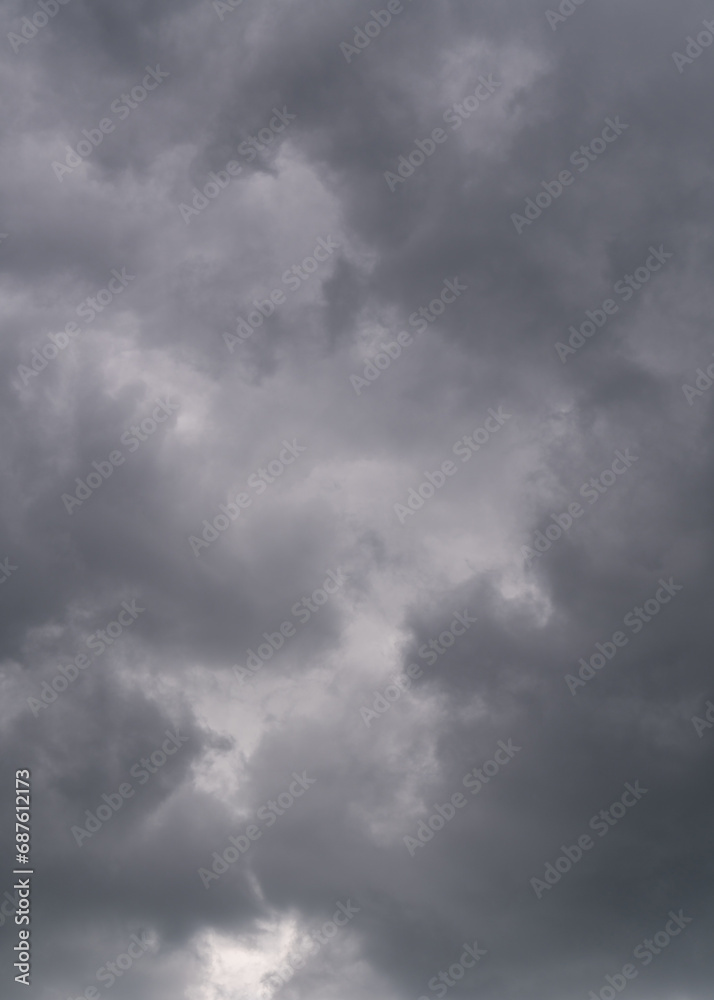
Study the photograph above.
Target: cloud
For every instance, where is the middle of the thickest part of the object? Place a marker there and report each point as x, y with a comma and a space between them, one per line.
317, 183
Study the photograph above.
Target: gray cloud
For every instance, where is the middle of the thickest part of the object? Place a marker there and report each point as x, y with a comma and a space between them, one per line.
199, 277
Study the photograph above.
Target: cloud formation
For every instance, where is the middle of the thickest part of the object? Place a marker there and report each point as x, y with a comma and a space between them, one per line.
327, 328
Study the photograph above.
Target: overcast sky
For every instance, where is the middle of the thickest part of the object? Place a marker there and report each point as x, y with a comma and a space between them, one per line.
357, 434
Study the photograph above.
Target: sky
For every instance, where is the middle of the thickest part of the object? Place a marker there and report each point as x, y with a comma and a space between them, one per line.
355, 562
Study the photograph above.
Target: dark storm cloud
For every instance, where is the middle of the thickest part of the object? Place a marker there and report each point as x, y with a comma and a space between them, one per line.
545, 610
